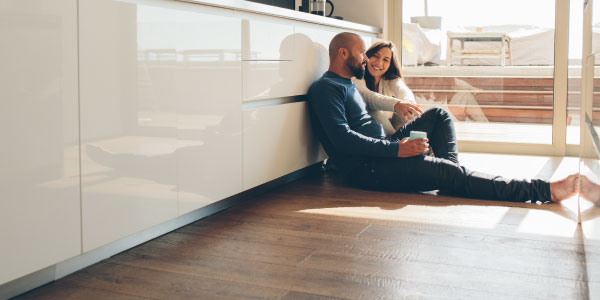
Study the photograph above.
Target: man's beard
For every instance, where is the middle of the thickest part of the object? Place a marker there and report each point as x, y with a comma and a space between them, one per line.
357, 68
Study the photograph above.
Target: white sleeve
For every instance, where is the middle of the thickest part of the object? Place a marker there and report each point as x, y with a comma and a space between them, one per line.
401, 90
375, 101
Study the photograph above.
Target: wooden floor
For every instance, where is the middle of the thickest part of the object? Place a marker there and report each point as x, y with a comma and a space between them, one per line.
317, 239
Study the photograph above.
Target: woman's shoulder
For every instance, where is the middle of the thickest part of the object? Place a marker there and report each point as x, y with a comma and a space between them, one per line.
397, 80
398, 88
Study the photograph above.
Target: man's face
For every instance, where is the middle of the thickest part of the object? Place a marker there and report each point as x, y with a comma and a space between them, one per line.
357, 59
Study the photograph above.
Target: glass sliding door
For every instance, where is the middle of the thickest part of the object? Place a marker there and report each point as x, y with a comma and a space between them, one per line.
575, 63
489, 63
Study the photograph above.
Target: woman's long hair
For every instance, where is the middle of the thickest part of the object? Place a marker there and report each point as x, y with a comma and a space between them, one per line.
394, 70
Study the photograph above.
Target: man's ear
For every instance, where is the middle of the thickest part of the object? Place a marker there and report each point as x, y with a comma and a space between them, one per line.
343, 53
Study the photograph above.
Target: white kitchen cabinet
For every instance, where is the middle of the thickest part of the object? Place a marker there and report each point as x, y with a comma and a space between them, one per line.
39, 177
128, 64
161, 97
278, 140
265, 37
209, 107
272, 79
307, 49
311, 51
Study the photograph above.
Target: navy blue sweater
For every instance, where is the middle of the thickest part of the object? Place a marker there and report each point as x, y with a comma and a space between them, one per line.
343, 124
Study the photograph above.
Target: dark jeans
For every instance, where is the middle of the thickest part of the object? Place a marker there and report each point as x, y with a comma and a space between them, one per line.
425, 173
440, 132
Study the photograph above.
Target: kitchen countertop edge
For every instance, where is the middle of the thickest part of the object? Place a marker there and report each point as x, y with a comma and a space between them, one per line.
269, 10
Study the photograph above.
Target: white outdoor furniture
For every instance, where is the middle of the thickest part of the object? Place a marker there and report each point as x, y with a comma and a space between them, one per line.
491, 52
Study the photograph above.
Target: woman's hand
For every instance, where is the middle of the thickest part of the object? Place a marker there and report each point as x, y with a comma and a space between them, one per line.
408, 148
408, 111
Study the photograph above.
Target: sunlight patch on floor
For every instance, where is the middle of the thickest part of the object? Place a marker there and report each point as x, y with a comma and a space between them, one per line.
484, 217
549, 223
520, 166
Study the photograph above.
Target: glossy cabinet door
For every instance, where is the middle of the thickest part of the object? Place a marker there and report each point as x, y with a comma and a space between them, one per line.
265, 37
161, 113
268, 57
311, 51
39, 157
278, 140
128, 63
209, 106
285, 60
272, 79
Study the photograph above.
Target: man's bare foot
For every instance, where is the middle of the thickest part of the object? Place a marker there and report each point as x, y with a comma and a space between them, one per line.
589, 190
564, 188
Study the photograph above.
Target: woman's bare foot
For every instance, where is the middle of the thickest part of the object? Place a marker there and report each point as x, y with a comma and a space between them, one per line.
589, 190
564, 188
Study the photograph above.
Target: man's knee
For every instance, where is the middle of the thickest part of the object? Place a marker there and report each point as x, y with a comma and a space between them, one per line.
438, 111
438, 114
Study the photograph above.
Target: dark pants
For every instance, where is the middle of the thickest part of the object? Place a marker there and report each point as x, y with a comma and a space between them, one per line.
440, 132
425, 173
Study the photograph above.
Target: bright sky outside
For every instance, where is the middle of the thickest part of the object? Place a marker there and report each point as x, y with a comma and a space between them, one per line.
485, 12
481, 13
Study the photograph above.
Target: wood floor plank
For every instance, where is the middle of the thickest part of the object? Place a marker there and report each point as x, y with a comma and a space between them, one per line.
60, 291
414, 234
298, 222
493, 255
568, 233
504, 283
305, 280
150, 283
480, 242
451, 216
195, 246
293, 295
307, 195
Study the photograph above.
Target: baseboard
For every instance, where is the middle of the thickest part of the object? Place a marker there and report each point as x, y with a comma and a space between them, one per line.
71, 265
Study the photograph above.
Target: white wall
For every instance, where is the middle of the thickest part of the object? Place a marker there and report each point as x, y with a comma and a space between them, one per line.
368, 12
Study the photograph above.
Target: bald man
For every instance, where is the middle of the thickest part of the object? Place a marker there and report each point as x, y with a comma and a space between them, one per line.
367, 159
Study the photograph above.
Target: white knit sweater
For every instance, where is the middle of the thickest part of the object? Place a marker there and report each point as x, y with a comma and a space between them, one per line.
382, 102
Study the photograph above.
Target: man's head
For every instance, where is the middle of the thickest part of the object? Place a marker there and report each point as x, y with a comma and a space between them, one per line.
347, 55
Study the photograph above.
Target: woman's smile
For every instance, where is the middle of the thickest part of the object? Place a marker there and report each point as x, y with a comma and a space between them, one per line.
376, 68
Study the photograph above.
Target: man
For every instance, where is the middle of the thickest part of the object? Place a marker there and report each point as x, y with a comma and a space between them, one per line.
367, 159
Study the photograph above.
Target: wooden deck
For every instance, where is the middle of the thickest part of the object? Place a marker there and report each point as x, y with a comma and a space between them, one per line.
317, 239
505, 99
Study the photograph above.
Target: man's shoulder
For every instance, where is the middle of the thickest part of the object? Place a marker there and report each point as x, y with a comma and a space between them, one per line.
325, 83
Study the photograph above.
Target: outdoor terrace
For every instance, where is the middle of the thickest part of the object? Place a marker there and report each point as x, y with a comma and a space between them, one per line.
500, 104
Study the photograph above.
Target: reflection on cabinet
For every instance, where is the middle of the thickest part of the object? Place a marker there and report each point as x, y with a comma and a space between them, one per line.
209, 109
278, 140
161, 113
128, 122
289, 58
39, 177
266, 38
311, 51
272, 79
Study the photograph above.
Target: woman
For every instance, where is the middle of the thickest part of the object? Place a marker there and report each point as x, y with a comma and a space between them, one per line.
383, 87
384, 91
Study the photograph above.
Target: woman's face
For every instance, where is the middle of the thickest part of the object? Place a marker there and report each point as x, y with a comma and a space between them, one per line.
379, 62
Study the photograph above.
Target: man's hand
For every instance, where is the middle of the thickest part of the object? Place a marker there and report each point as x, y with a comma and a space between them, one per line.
408, 111
408, 148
